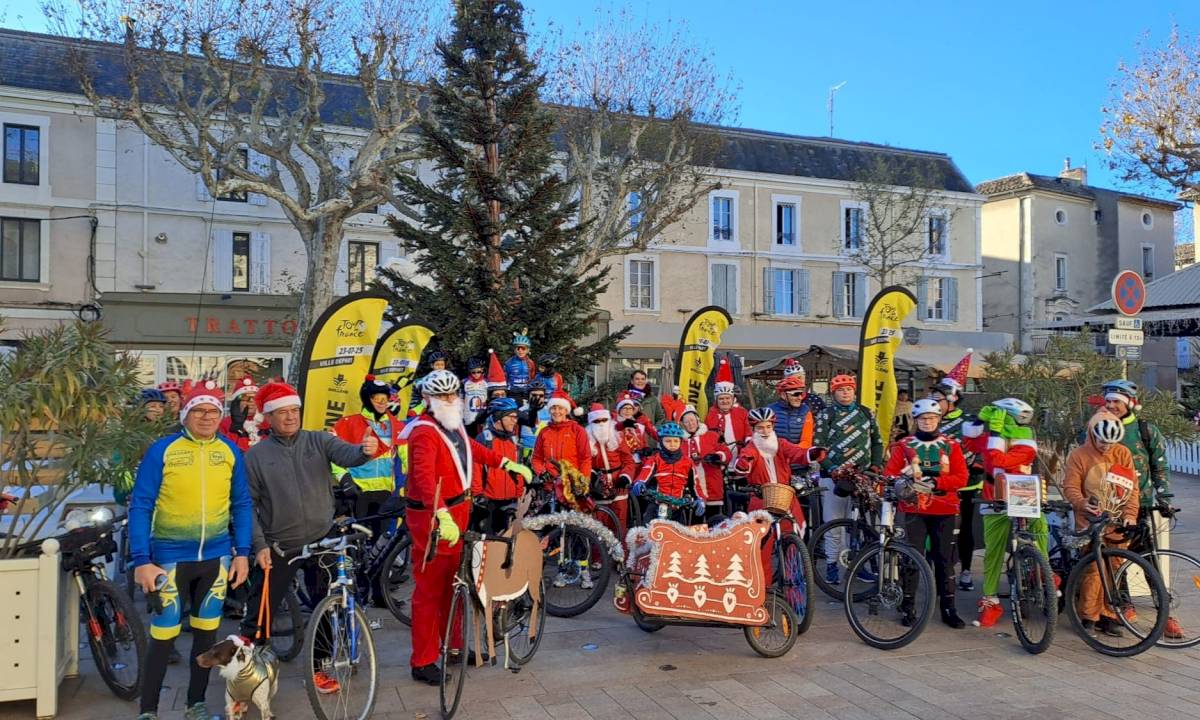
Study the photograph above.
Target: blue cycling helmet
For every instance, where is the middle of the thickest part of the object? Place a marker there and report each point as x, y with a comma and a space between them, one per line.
499, 407
671, 429
150, 395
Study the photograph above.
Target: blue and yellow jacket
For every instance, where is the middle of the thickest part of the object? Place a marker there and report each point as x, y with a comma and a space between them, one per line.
186, 493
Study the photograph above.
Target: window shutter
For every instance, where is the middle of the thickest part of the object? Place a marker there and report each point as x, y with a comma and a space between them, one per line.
731, 294
768, 290
260, 262
839, 294
860, 295
222, 260
201, 191
800, 283
952, 299
341, 283
923, 299
716, 284
388, 251
260, 165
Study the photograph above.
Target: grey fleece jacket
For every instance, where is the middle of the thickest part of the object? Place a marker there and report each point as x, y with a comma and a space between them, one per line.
292, 486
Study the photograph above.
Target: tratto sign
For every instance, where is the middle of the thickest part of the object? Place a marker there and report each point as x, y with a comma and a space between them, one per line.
1129, 292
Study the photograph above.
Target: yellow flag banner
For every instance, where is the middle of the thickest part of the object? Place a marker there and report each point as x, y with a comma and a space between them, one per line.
337, 357
697, 354
881, 335
397, 355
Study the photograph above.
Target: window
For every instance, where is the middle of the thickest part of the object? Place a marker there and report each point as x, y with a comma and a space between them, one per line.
641, 285
785, 291
241, 262
635, 210
936, 231
363, 259
785, 224
849, 294
1097, 216
242, 158
21, 250
853, 217
1147, 262
1060, 216
1060, 272
1147, 220
22, 148
937, 299
722, 217
723, 285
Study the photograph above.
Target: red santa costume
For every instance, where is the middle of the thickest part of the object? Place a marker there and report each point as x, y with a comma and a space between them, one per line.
634, 435
732, 426
442, 463
703, 448
612, 466
671, 473
248, 431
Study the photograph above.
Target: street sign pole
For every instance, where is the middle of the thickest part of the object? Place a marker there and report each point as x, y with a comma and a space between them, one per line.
1129, 297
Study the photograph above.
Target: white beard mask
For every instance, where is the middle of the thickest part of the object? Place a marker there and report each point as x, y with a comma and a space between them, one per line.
767, 446
448, 414
602, 435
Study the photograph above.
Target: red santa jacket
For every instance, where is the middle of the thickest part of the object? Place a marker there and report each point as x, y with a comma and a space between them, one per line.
999, 455
759, 471
949, 479
672, 477
610, 464
433, 459
696, 448
739, 424
497, 483
562, 441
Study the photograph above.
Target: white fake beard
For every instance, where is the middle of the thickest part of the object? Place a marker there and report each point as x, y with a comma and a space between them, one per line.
767, 446
603, 435
448, 414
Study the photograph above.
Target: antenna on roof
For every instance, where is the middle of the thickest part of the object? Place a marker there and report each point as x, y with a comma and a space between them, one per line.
832, 90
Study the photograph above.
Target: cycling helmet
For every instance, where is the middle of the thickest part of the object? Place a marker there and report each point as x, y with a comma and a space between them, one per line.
841, 381
926, 406
1108, 430
475, 363
1124, 387
549, 360
948, 388
790, 383
170, 386
1020, 410
440, 382
671, 429
150, 395
761, 415
536, 386
500, 407
438, 355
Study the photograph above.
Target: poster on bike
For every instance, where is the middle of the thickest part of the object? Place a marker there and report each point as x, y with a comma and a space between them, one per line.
1023, 495
397, 356
697, 354
337, 357
881, 336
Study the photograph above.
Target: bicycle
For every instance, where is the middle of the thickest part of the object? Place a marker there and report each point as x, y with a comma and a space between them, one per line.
1129, 584
338, 635
577, 565
1032, 591
1181, 576
901, 590
839, 542
114, 629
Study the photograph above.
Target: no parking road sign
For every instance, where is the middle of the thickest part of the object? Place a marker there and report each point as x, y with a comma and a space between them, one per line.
1129, 292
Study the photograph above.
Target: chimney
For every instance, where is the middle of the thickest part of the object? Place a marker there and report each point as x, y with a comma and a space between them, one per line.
1078, 174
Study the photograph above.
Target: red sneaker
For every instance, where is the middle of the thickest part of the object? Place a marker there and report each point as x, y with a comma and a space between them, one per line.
990, 613
1130, 614
325, 684
1173, 630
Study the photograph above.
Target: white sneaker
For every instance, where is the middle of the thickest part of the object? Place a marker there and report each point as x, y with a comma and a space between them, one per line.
560, 581
585, 582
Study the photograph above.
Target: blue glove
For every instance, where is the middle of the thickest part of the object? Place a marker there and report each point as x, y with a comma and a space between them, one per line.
637, 488
698, 505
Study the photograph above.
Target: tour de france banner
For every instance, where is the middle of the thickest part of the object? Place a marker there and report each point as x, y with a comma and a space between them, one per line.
697, 354
337, 357
397, 355
881, 335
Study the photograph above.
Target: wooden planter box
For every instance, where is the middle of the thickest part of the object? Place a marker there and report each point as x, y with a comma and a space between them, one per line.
39, 611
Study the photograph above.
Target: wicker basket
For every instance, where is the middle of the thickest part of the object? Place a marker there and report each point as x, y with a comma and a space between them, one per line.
778, 497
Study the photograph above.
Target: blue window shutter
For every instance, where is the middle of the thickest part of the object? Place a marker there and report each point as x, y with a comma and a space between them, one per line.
923, 299
952, 299
803, 306
839, 294
860, 295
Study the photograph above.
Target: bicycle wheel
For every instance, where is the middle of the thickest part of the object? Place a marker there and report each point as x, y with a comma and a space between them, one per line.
454, 676
287, 627
1140, 602
116, 636
778, 636
340, 645
837, 544
396, 580
517, 620
1181, 576
575, 570
793, 568
1033, 598
897, 607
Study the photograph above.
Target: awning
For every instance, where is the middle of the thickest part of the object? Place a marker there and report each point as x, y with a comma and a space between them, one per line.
909, 358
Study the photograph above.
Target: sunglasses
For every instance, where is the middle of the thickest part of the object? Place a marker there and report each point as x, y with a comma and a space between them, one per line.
477, 371
795, 393
598, 421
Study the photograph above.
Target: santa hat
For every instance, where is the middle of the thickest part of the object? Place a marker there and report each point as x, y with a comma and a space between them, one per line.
724, 384
495, 372
245, 385
275, 395
372, 387
202, 393
627, 398
958, 373
791, 367
689, 409
598, 412
560, 398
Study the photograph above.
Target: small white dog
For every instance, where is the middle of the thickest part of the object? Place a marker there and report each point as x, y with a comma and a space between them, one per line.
250, 677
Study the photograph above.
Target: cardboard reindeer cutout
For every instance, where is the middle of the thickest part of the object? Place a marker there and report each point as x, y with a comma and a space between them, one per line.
504, 573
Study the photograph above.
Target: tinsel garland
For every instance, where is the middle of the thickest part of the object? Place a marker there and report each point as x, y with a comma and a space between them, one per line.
576, 519
638, 538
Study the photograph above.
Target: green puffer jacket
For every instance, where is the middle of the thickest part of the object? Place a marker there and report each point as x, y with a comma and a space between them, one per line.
1150, 462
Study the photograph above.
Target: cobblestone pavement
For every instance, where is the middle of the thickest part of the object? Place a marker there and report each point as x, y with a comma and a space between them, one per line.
601, 666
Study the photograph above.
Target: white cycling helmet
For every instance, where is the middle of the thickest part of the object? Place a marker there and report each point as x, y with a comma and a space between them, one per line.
440, 382
1108, 430
926, 406
1020, 410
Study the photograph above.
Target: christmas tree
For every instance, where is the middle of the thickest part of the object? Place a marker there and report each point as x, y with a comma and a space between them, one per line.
495, 234
735, 575
702, 574
673, 569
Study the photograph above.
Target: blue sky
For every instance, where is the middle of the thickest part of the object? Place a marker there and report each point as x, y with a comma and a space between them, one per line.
1000, 87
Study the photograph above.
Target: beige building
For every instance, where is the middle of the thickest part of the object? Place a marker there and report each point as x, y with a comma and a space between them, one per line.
1053, 245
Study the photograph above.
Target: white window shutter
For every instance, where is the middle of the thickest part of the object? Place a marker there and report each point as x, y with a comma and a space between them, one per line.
839, 294
260, 263
768, 290
860, 295
202, 191
222, 260
923, 299
803, 304
341, 283
731, 294
951, 300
